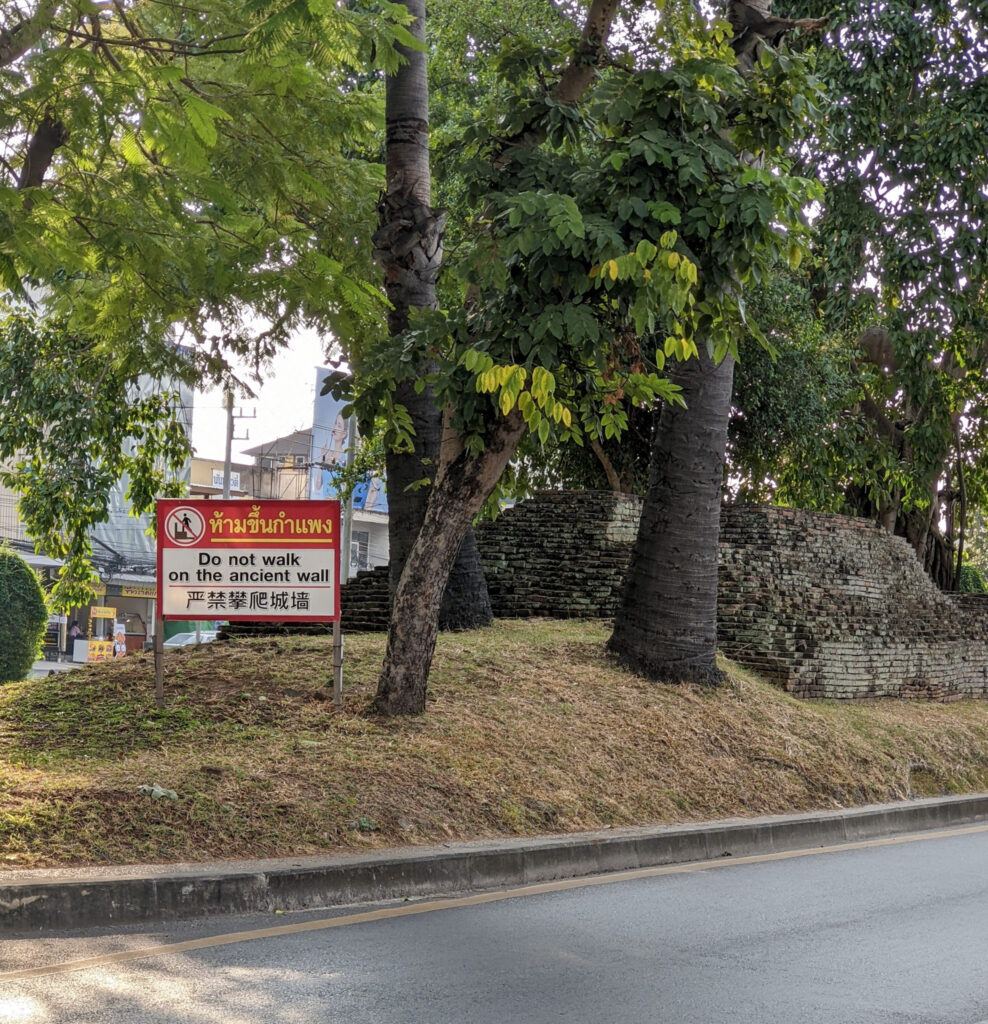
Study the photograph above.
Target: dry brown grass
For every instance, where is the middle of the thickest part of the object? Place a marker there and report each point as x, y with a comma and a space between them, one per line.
531, 728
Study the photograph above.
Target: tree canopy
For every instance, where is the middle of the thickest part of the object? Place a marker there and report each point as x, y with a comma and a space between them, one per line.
902, 251
201, 171
167, 164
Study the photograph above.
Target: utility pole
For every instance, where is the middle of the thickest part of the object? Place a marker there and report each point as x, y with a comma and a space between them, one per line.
351, 444
227, 465
231, 417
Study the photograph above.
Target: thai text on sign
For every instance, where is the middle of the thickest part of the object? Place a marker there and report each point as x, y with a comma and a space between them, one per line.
249, 560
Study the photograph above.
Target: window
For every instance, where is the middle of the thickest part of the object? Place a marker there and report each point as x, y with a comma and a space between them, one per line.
359, 550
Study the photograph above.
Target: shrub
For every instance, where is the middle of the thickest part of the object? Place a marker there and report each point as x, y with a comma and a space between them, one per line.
972, 580
23, 616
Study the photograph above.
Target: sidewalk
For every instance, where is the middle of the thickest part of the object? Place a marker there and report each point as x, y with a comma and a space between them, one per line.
32, 901
45, 668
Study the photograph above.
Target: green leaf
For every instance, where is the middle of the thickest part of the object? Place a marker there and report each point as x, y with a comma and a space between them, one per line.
203, 116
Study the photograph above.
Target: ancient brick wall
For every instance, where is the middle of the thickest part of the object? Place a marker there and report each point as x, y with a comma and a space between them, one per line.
562, 554
826, 606
830, 606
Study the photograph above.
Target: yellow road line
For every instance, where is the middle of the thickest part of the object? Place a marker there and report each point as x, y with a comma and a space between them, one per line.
453, 903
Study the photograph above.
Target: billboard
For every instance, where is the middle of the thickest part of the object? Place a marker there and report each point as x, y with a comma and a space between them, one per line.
330, 435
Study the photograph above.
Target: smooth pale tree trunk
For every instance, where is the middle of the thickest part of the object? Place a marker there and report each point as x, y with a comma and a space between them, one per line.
457, 496
666, 627
409, 246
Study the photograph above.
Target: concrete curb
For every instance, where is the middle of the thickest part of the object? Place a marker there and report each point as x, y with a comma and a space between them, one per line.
32, 901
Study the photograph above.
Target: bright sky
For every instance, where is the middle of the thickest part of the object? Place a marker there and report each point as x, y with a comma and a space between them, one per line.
283, 404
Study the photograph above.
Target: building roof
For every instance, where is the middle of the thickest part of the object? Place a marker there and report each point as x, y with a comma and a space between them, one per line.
298, 443
39, 561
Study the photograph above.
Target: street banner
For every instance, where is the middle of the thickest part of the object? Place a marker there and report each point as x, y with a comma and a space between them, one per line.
256, 561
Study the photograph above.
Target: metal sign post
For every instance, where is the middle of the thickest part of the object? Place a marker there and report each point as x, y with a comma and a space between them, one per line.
337, 665
159, 662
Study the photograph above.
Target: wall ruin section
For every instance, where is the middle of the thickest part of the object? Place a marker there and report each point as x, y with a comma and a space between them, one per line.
824, 605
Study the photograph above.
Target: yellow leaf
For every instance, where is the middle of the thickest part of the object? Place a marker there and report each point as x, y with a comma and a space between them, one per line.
612, 269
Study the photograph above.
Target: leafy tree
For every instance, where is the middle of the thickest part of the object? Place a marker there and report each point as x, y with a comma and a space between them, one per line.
794, 436
198, 169
591, 462
583, 277
903, 253
218, 170
972, 580
667, 624
80, 425
23, 616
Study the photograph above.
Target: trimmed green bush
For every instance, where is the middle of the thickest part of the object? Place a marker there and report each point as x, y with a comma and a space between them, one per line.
23, 616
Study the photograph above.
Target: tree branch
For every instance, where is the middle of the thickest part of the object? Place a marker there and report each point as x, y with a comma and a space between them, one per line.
577, 78
613, 480
160, 45
753, 24
16, 41
48, 136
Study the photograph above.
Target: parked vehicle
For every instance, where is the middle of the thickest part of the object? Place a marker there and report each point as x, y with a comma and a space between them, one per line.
206, 636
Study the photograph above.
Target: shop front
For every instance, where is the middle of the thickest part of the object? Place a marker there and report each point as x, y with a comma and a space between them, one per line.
120, 621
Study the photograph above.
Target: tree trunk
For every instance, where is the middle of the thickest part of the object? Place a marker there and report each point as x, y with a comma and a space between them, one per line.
962, 499
16, 41
463, 484
666, 627
457, 496
47, 138
466, 603
614, 481
409, 246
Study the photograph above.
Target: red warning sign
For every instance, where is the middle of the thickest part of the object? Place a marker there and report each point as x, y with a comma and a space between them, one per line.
267, 561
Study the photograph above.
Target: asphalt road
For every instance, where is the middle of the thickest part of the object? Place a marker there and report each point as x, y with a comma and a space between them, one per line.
893, 932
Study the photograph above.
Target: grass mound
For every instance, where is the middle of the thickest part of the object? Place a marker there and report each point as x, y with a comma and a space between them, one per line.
531, 728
